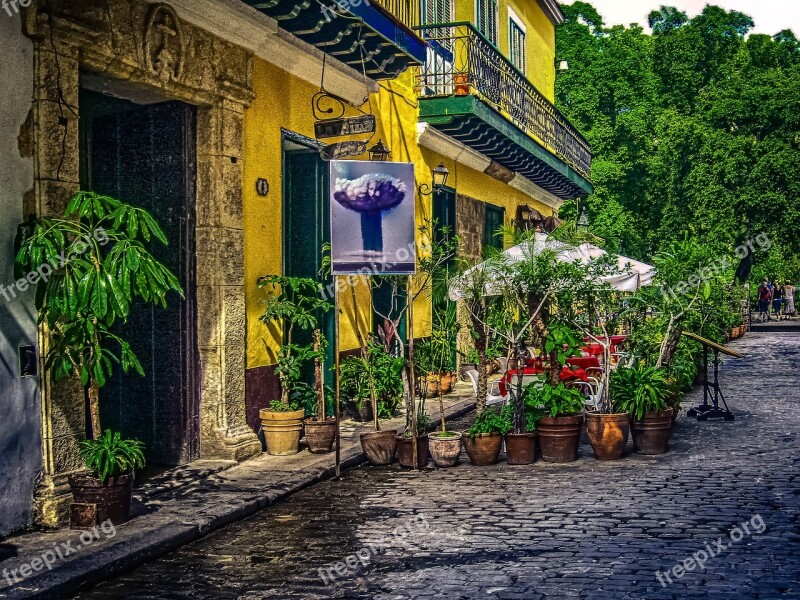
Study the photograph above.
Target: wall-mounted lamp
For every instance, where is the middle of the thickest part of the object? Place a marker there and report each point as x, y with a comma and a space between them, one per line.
379, 152
527, 217
583, 221
561, 65
440, 175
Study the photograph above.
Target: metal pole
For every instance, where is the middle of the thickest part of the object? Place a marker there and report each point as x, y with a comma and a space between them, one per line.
336, 373
411, 383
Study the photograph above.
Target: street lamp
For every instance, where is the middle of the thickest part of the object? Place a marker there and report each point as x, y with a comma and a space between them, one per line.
561, 65
440, 175
379, 152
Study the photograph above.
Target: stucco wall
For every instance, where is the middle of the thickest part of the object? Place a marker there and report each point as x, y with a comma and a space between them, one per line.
20, 433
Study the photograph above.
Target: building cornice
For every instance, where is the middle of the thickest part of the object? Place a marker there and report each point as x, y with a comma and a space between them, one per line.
240, 24
553, 11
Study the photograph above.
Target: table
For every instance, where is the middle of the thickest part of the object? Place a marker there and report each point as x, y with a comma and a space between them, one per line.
567, 375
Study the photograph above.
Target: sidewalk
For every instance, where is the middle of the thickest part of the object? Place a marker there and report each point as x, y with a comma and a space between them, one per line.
179, 507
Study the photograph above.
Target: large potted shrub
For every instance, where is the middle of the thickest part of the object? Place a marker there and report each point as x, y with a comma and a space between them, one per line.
559, 429
296, 303
484, 438
80, 299
641, 391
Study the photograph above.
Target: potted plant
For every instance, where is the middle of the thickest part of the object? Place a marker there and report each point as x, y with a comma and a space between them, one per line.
296, 302
83, 298
521, 447
444, 446
641, 391
559, 429
485, 438
405, 443
469, 362
320, 431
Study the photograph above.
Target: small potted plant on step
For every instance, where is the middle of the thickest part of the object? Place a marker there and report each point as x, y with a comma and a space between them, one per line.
405, 443
298, 303
485, 438
559, 429
444, 446
383, 375
321, 430
642, 391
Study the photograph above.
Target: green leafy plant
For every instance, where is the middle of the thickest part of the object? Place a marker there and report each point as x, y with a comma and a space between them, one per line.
639, 389
92, 265
109, 455
563, 341
297, 302
532, 416
282, 407
491, 421
387, 379
554, 401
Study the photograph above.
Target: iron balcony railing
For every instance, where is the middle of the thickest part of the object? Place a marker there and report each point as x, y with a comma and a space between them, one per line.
405, 11
461, 61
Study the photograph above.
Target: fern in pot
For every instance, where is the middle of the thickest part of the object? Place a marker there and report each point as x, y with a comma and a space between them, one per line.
642, 392
80, 299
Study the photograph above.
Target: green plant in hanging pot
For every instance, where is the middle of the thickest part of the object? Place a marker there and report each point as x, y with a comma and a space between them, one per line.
295, 303
484, 438
642, 391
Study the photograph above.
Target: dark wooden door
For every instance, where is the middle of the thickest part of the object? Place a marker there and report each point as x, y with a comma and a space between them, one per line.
145, 155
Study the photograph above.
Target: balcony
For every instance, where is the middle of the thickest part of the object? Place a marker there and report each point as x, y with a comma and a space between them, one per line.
471, 92
360, 33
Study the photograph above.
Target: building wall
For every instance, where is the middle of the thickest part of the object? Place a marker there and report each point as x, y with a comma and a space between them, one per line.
20, 408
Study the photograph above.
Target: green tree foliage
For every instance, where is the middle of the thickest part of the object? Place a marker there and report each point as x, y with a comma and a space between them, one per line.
695, 128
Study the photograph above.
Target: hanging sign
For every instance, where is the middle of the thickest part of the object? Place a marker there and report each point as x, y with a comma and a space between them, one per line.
347, 126
372, 218
342, 150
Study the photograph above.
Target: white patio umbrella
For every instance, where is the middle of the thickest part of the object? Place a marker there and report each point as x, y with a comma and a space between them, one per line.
631, 275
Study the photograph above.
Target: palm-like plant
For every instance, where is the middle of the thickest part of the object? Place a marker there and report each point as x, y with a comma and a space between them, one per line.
92, 265
110, 456
639, 389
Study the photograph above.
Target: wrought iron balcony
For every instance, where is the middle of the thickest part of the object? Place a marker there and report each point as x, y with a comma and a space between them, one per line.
461, 62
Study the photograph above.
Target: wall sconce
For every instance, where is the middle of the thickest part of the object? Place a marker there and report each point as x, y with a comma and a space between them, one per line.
527, 217
561, 65
440, 175
379, 152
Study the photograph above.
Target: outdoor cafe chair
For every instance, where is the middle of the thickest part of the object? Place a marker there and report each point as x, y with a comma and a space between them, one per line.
493, 396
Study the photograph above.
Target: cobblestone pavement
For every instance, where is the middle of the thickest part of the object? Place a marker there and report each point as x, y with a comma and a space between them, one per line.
587, 529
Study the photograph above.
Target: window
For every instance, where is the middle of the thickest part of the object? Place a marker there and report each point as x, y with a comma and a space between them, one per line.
437, 11
516, 43
487, 19
494, 219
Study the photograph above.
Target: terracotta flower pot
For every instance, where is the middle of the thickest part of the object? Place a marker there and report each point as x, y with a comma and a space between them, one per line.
432, 382
651, 434
520, 448
608, 434
282, 431
379, 446
446, 382
320, 435
484, 449
405, 451
113, 498
444, 450
559, 438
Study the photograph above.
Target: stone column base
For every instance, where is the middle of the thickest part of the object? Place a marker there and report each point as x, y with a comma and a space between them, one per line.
238, 444
52, 500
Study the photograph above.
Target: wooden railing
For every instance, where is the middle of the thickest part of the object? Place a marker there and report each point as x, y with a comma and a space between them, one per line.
405, 11
462, 61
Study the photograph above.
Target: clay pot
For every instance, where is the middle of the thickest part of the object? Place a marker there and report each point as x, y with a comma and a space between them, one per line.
113, 498
559, 438
444, 450
282, 431
651, 434
432, 383
484, 449
608, 434
446, 382
520, 448
405, 451
320, 435
379, 446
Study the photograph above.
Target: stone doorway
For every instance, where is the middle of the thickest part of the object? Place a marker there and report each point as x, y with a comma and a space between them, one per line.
145, 154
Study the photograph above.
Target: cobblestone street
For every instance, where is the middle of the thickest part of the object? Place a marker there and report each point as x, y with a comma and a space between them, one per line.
586, 529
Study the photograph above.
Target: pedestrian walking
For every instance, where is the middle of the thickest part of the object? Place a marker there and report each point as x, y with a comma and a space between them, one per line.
764, 298
788, 299
777, 300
